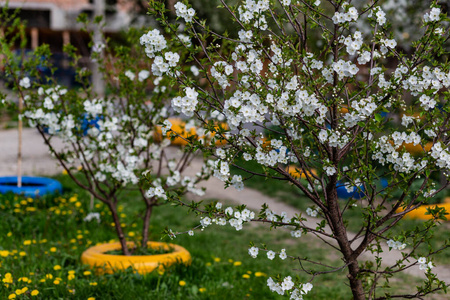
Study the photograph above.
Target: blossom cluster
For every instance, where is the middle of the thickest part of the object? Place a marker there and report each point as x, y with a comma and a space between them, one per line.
424, 265
154, 42
183, 12
288, 285
396, 245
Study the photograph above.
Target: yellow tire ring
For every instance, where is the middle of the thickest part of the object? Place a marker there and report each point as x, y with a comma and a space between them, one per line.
419, 213
417, 149
107, 263
178, 126
297, 172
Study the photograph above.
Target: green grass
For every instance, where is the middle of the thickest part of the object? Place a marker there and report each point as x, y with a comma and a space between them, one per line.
42, 242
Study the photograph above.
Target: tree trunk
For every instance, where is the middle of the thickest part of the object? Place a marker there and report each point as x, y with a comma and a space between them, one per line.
19, 149
340, 233
148, 213
119, 230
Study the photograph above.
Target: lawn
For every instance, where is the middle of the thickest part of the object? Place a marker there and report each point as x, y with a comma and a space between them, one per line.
44, 238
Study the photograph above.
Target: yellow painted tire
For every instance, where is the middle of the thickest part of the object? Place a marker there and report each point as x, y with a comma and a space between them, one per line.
107, 263
417, 149
178, 126
298, 173
419, 213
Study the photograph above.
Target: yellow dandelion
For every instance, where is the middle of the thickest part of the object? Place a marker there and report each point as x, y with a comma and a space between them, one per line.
22, 253
57, 267
4, 253
71, 272
161, 270
70, 277
87, 273
78, 204
34, 293
27, 242
31, 208
93, 283
19, 292
56, 282
91, 298
24, 290
246, 276
208, 264
217, 259
12, 296
249, 272
202, 290
230, 261
73, 199
237, 263
53, 249
9, 234
64, 172
48, 276
182, 283
260, 274
131, 233
24, 279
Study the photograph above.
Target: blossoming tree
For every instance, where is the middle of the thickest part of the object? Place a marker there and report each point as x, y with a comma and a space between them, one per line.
340, 100
109, 142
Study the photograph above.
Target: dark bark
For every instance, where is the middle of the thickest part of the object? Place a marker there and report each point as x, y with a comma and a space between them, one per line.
119, 231
148, 213
340, 233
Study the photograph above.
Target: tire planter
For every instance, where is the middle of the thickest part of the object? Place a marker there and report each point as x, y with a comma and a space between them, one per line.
103, 263
417, 149
179, 126
419, 213
31, 186
356, 193
298, 173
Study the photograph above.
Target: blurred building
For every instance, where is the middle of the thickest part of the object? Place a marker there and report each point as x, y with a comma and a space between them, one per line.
55, 22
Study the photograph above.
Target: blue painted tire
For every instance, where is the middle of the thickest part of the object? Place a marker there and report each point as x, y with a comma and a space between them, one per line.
355, 193
31, 186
